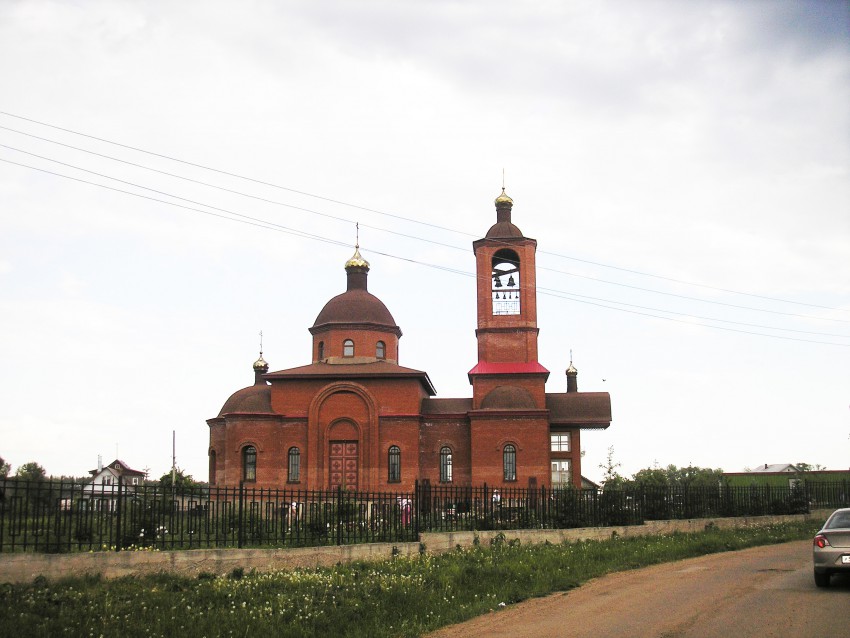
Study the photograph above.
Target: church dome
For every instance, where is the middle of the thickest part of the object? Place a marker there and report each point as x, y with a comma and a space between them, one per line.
255, 399
260, 365
356, 304
503, 228
500, 230
508, 397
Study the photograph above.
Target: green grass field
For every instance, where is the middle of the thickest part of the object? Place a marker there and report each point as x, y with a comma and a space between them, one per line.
399, 597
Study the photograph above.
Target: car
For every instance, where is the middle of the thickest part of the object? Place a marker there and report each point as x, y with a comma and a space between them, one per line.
831, 547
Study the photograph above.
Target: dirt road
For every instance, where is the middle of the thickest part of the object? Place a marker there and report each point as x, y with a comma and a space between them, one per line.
760, 592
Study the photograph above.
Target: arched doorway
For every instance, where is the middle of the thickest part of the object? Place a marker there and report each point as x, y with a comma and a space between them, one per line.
343, 455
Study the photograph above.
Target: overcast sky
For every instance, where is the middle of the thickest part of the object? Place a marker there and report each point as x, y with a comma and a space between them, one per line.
684, 166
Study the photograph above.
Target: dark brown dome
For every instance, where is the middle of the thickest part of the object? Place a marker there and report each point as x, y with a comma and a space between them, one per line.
507, 397
255, 399
503, 229
355, 306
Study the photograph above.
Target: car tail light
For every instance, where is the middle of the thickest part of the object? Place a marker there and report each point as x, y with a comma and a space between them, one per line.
820, 541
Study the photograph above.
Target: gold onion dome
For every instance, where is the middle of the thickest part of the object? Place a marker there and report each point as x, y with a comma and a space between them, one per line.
356, 260
260, 364
503, 198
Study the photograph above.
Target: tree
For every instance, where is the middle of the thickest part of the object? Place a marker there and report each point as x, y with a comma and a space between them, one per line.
652, 477
693, 476
808, 467
672, 476
181, 480
611, 478
31, 471
5, 468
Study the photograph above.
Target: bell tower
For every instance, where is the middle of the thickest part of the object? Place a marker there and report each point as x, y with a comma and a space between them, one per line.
506, 286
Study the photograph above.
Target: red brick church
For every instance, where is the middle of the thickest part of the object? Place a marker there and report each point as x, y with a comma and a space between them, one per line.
353, 417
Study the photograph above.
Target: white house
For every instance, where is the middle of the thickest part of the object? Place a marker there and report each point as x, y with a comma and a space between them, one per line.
102, 493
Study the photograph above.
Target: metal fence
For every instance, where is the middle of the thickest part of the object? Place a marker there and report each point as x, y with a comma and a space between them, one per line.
56, 516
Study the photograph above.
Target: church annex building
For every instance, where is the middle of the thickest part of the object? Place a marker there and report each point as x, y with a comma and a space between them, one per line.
354, 418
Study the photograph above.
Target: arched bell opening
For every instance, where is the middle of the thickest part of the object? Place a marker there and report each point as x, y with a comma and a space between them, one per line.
506, 282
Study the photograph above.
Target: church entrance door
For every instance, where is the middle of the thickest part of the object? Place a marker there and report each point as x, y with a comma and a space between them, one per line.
343, 464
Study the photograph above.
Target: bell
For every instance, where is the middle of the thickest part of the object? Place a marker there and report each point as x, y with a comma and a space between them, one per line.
498, 283
511, 283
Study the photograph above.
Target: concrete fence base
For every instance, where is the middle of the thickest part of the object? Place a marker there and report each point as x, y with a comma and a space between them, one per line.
24, 567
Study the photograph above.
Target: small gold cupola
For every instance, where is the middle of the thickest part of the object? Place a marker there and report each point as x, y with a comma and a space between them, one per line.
357, 260
572, 376
260, 368
503, 199
357, 268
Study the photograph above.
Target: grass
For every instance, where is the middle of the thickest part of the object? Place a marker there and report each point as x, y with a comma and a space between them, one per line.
400, 597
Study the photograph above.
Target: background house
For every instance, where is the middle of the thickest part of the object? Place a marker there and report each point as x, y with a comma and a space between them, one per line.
102, 492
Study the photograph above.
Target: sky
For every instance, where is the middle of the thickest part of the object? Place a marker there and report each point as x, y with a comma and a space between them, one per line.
176, 178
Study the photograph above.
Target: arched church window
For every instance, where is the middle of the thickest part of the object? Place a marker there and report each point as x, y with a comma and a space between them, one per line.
394, 464
509, 462
212, 467
381, 350
348, 348
321, 351
249, 463
445, 464
506, 282
294, 467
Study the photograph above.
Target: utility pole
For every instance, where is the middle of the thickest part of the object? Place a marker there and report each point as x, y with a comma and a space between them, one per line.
173, 465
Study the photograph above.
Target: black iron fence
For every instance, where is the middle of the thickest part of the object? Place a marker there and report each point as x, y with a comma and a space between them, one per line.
56, 516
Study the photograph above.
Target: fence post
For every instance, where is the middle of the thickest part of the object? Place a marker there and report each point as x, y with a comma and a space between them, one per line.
339, 514
415, 506
2, 510
241, 531
118, 511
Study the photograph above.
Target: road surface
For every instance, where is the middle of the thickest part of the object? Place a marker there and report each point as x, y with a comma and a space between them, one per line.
760, 592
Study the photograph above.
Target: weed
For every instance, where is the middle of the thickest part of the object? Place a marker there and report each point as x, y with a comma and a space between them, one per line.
408, 596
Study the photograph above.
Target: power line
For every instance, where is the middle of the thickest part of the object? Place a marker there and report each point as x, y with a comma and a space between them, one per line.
749, 332
245, 219
407, 219
207, 184
380, 229
687, 314
236, 175
560, 294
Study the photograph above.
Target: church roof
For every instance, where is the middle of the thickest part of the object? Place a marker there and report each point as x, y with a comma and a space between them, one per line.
355, 306
589, 409
374, 369
445, 406
255, 399
503, 230
486, 367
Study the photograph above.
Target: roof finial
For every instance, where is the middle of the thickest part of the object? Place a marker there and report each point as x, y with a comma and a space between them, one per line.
572, 375
503, 178
260, 365
357, 260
